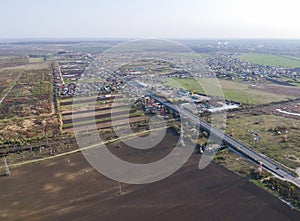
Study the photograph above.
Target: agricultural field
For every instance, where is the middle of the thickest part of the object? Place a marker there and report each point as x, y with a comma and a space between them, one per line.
271, 60
89, 47
68, 188
146, 67
26, 109
7, 79
100, 109
266, 181
36, 60
233, 91
12, 61
195, 55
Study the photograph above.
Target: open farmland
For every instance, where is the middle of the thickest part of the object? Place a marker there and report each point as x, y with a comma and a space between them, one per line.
7, 80
271, 60
233, 91
26, 111
12, 61
36, 60
70, 189
88, 112
146, 67
49, 179
26, 94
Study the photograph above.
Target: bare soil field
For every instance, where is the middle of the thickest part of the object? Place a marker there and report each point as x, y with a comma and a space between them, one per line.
69, 189
101, 112
108, 124
278, 89
87, 116
32, 66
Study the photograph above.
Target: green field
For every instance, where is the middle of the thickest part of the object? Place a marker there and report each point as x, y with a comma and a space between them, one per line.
233, 91
271, 60
194, 55
36, 60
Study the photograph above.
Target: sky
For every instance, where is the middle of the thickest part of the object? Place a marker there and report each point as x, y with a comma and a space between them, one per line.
149, 19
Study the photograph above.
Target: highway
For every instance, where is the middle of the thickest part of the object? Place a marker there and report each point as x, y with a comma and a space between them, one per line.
270, 165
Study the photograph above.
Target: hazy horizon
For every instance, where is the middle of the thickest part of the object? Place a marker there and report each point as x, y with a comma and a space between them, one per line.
134, 19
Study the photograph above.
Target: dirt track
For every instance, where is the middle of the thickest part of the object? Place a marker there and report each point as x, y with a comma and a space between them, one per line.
69, 189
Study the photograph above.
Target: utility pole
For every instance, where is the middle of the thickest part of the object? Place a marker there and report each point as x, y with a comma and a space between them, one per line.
120, 189
255, 139
260, 168
7, 172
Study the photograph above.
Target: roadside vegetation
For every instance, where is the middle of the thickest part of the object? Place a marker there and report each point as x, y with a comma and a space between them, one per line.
278, 135
284, 190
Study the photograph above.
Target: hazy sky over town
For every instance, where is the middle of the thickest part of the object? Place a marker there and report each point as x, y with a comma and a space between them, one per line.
149, 19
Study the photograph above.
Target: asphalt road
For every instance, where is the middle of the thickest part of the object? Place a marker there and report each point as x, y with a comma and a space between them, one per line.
270, 165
